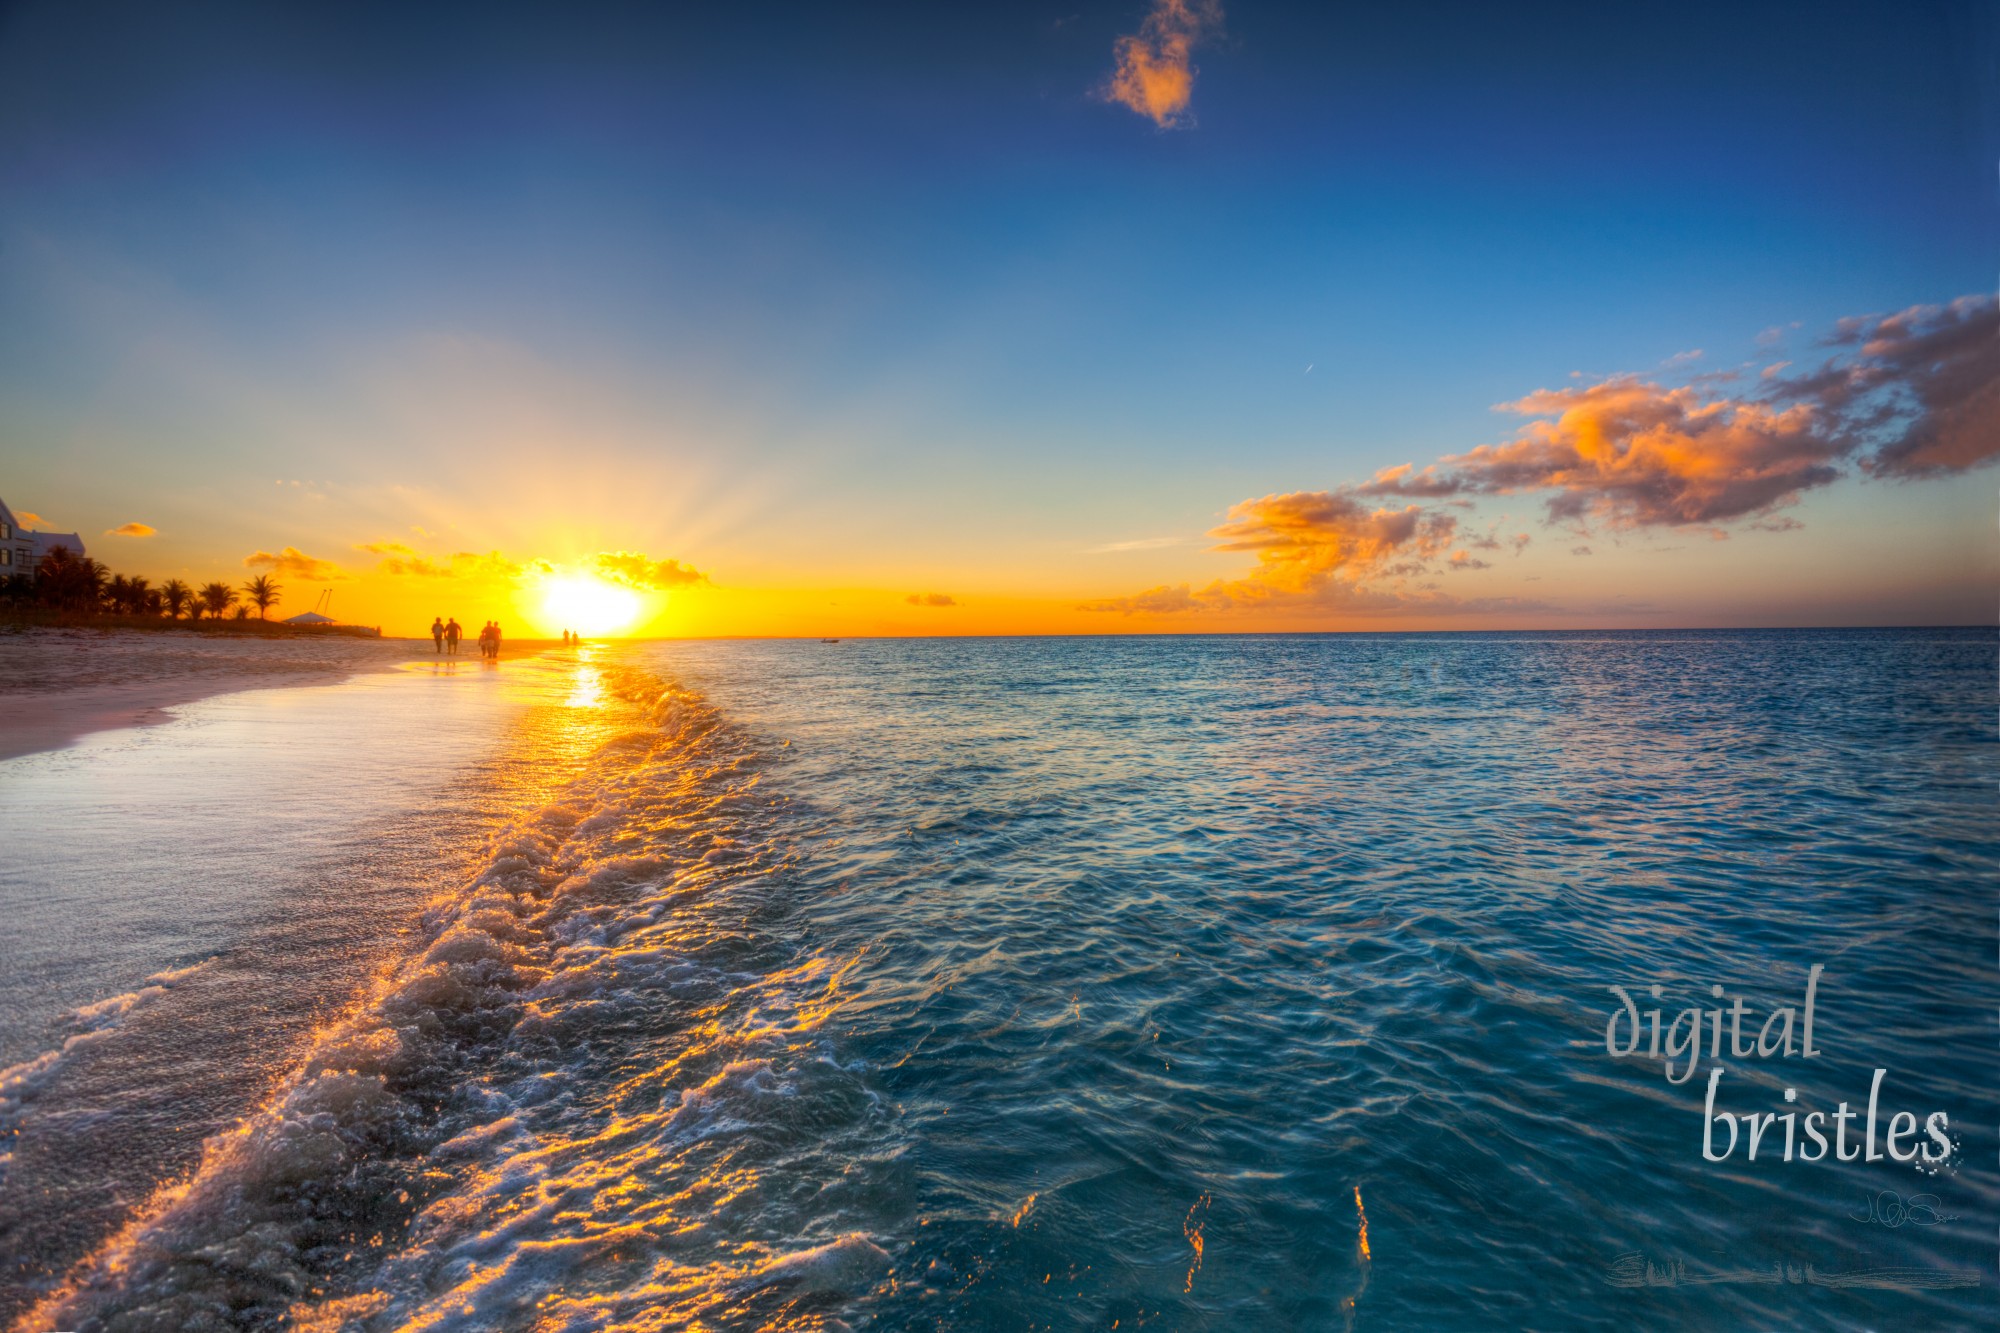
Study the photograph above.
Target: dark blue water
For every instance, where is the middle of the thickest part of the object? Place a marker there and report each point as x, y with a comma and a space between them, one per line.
1094, 983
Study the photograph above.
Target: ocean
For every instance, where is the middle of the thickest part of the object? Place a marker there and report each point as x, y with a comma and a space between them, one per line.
1231, 982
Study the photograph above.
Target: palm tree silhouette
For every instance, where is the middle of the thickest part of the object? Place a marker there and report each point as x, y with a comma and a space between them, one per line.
68, 580
176, 595
263, 593
217, 598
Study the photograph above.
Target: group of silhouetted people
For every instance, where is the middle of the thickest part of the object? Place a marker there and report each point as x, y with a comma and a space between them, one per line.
445, 635
570, 639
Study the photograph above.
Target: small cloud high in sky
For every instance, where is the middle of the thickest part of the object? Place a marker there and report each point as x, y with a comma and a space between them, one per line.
131, 530
1155, 66
931, 599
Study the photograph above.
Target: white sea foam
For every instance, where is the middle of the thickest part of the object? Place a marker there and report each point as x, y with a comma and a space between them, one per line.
22, 1083
575, 1083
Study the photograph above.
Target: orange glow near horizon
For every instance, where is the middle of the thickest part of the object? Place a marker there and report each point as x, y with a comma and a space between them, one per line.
590, 606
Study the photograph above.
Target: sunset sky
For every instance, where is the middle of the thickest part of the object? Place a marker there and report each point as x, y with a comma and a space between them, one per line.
939, 318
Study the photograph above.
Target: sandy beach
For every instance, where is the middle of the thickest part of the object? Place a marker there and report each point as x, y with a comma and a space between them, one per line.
57, 685
186, 901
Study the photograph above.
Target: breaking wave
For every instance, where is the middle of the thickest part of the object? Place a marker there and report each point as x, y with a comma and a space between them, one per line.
21, 1083
564, 1107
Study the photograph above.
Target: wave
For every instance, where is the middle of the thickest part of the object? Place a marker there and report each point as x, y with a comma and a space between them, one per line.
21, 1084
564, 1105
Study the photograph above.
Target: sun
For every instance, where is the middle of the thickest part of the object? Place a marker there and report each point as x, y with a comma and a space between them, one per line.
590, 606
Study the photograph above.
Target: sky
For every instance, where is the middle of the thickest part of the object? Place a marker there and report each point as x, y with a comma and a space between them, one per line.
1168, 316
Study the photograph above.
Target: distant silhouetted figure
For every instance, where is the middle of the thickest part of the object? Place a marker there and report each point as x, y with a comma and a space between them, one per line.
494, 647
437, 633
453, 632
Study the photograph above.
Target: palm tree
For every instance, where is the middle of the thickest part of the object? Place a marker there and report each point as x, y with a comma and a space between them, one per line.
67, 580
176, 595
217, 598
263, 593
128, 594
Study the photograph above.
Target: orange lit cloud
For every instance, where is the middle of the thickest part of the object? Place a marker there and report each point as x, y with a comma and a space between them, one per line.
1631, 453
1915, 394
294, 563
644, 573
1155, 73
1910, 395
1302, 538
931, 599
30, 520
403, 561
1320, 551
131, 530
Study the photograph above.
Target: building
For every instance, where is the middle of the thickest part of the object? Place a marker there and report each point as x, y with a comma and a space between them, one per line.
20, 549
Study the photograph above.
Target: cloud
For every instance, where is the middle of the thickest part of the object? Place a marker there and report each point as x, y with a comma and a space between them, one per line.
1142, 544
644, 573
1910, 395
1318, 550
29, 520
131, 530
493, 565
294, 563
1915, 394
1155, 73
415, 567
1225, 595
1920, 392
1304, 537
1631, 453
931, 599
401, 561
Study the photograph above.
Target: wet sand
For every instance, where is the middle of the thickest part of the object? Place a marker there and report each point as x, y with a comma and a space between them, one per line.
59, 685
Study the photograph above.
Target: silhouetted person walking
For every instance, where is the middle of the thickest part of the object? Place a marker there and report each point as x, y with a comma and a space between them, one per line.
437, 634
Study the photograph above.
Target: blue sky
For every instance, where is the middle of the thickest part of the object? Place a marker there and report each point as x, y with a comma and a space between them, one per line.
878, 291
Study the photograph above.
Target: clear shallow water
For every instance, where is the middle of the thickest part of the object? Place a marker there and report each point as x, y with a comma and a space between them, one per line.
1072, 983
182, 901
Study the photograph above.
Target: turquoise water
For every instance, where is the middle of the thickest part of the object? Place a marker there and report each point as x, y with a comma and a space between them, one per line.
1090, 983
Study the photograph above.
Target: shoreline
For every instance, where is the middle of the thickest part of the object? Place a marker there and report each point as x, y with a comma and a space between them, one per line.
60, 685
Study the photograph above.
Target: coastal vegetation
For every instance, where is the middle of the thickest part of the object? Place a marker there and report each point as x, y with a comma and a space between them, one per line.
70, 589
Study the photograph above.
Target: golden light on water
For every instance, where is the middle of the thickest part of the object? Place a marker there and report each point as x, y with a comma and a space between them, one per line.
588, 605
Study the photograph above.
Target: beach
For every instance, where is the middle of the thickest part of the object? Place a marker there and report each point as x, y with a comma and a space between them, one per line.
1200, 983
187, 897
60, 684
